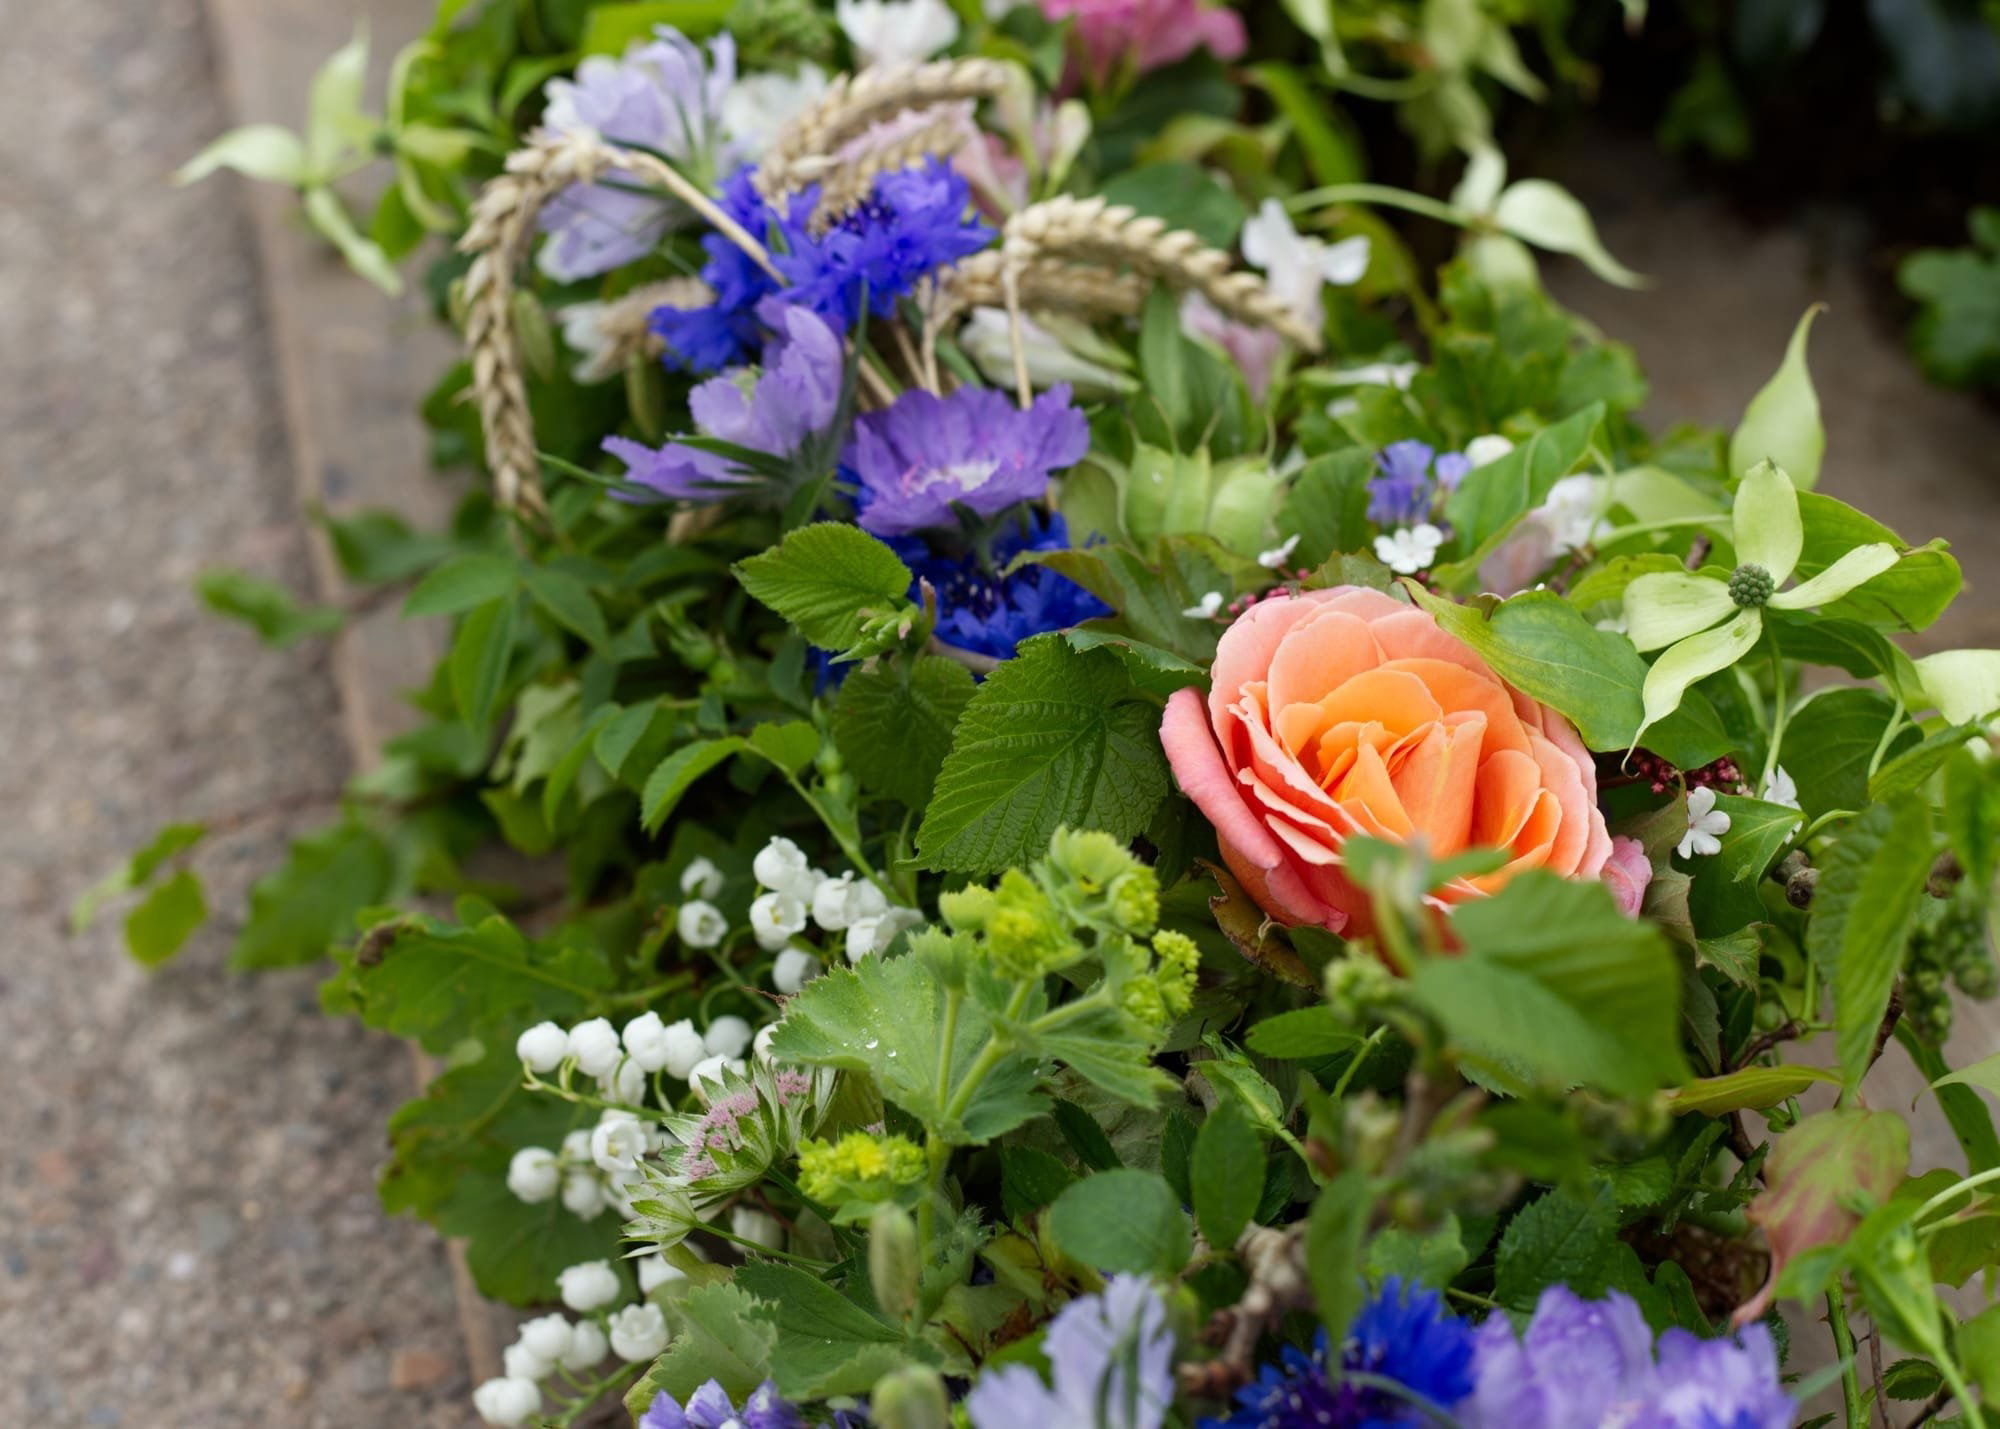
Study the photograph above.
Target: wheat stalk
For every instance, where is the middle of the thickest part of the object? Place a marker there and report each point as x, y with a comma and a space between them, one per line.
847, 183
625, 324
852, 103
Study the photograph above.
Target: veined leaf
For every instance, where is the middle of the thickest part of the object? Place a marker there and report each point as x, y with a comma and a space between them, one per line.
826, 579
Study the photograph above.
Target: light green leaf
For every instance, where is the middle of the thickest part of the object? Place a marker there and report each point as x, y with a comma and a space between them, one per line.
171, 840
1765, 520
323, 210
265, 606
1302, 1032
821, 1333
1908, 596
334, 121
1910, 770
1782, 422
1664, 606
1227, 1174
1695, 658
1549, 216
1964, 684
461, 583
675, 774
1122, 1221
1054, 737
1752, 1087
826, 579
1859, 565
611, 29
156, 929
477, 663
789, 746
1984, 1074
263, 151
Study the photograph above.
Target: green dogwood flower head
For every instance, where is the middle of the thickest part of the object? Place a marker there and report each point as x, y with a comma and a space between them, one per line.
1706, 621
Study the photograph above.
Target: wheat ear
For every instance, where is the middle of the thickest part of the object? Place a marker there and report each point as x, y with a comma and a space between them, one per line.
848, 181
852, 103
625, 324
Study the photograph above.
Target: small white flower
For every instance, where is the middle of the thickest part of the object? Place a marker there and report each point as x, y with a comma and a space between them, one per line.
701, 879
583, 1195
839, 903
727, 1036
638, 1333
534, 1174
759, 105
781, 866
1275, 558
777, 918
595, 1046
1297, 267
542, 1047
1780, 788
520, 1362
586, 1347
1483, 451
873, 935
1206, 607
760, 1045
684, 1049
627, 1084
576, 1146
618, 1143
705, 1080
793, 970
891, 32
656, 1270
756, 1227
1569, 512
1409, 550
507, 1402
588, 1285
547, 1337
646, 1041
1706, 824
700, 924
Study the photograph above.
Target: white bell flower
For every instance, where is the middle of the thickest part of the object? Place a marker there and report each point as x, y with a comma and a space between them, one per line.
586, 1347
760, 1045
793, 970
873, 935
705, 1080
727, 1036
618, 1143
841, 902
757, 1227
700, 924
777, 918
583, 1195
782, 867
638, 1333
547, 1337
645, 1041
701, 879
684, 1048
534, 1174
542, 1047
656, 1270
517, 1361
595, 1046
588, 1285
507, 1402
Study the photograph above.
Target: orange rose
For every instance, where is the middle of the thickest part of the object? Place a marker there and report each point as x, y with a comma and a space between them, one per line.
1343, 712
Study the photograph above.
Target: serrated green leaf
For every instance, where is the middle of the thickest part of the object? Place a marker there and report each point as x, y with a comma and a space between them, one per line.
163, 921
1301, 1033
827, 1344
1433, 1257
301, 909
789, 746
826, 579
1122, 1220
719, 1334
1030, 1179
462, 583
893, 724
1559, 1239
675, 774
1226, 1174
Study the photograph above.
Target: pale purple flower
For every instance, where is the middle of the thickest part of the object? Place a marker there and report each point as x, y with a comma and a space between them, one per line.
926, 454
1400, 493
710, 1408
1254, 349
661, 95
1112, 1358
777, 410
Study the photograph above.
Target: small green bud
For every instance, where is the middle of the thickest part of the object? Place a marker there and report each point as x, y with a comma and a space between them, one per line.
967, 909
1356, 985
895, 1261
1024, 934
1751, 586
912, 1397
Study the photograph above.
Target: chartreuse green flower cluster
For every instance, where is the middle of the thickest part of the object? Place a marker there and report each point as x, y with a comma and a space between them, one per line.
859, 1170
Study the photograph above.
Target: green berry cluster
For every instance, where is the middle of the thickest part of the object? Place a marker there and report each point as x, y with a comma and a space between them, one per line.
1751, 585
1951, 947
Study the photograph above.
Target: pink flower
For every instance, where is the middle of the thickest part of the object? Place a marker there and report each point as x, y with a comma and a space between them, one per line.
1146, 34
1628, 872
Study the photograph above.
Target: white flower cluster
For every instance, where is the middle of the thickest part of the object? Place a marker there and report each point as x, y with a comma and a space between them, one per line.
635, 1333
795, 894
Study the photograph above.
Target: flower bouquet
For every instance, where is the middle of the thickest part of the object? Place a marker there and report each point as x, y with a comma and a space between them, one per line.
1136, 816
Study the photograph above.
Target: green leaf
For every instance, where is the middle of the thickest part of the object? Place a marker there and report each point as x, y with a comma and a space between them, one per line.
827, 1344
719, 1331
1964, 684
790, 746
156, 929
1030, 1179
1866, 904
1554, 980
1751, 1087
262, 151
569, 600
1979, 1351
1490, 500
1559, 1239
826, 579
1908, 596
265, 606
1122, 1221
478, 660
1911, 770
1054, 737
324, 211
1984, 1074
1972, 816
611, 29
1084, 1136
1662, 607
1336, 1227
169, 842
1327, 505
1549, 216
1433, 1257
301, 909
1301, 1033
1227, 1175
1183, 194
1694, 659
675, 774
1758, 832
1782, 424
463, 583
1828, 746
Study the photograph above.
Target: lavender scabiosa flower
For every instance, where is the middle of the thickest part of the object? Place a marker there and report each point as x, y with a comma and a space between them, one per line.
778, 410
925, 455
989, 613
662, 95
1112, 1357
1403, 1336
710, 1407
1588, 1362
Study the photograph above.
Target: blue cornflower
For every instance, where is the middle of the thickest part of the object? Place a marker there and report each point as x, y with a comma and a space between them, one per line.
989, 613
1403, 1335
1401, 492
727, 333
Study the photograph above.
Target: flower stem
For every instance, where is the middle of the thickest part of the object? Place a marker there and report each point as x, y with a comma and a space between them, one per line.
1843, 1343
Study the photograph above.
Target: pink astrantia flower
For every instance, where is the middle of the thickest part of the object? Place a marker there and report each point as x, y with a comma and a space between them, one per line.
1146, 34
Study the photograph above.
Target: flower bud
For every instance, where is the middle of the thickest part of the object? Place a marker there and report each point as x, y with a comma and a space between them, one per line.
656, 1270
684, 1048
700, 924
760, 1045
507, 1402
534, 1174
793, 970
583, 1195
781, 866
586, 1347
727, 1036
705, 1077
520, 1362
595, 1046
895, 1260
638, 1333
548, 1337
588, 1285
912, 1397
542, 1047
646, 1041
701, 879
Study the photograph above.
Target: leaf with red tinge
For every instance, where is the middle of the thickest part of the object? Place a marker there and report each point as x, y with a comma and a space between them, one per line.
1816, 1176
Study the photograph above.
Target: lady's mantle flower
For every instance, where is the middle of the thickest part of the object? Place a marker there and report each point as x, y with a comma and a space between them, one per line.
1409, 550
890, 32
1296, 267
1594, 1362
777, 410
1112, 1355
1403, 1335
1711, 620
1706, 825
985, 607
660, 96
710, 1408
926, 454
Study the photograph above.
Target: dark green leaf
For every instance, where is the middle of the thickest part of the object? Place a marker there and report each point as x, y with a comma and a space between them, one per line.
1490, 500
1557, 1240
789, 746
1335, 1230
719, 1331
1122, 1220
463, 583
1301, 1033
569, 600
1030, 1179
300, 910
1227, 1174
1909, 771
675, 774
1828, 746
478, 659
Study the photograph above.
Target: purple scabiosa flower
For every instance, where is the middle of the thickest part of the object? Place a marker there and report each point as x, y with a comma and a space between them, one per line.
1112, 1357
778, 410
1401, 491
981, 610
1582, 1363
926, 454
710, 1408
1403, 1335
661, 95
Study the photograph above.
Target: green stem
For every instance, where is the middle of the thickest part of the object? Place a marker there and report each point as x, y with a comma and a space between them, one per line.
1850, 1370
1779, 713
1951, 1193
1954, 1378
1889, 733
1360, 1056
847, 840
1380, 194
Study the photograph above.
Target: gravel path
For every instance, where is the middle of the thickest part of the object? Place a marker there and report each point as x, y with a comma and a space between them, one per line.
189, 1237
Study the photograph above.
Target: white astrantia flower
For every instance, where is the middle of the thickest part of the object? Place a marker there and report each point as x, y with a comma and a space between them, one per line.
507, 1402
1706, 825
595, 1046
534, 1174
1206, 608
588, 1285
542, 1047
701, 879
782, 867
1409, 550
700, 924
756, 1227
777, 918
793, 970
656, 1270
1484, 451
583, 1195
1780, 788
685, 1048
892, 32
1275, 558
587, 1347
759, 105
726, 1036
638, 1333
547, 1337
1297, 267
